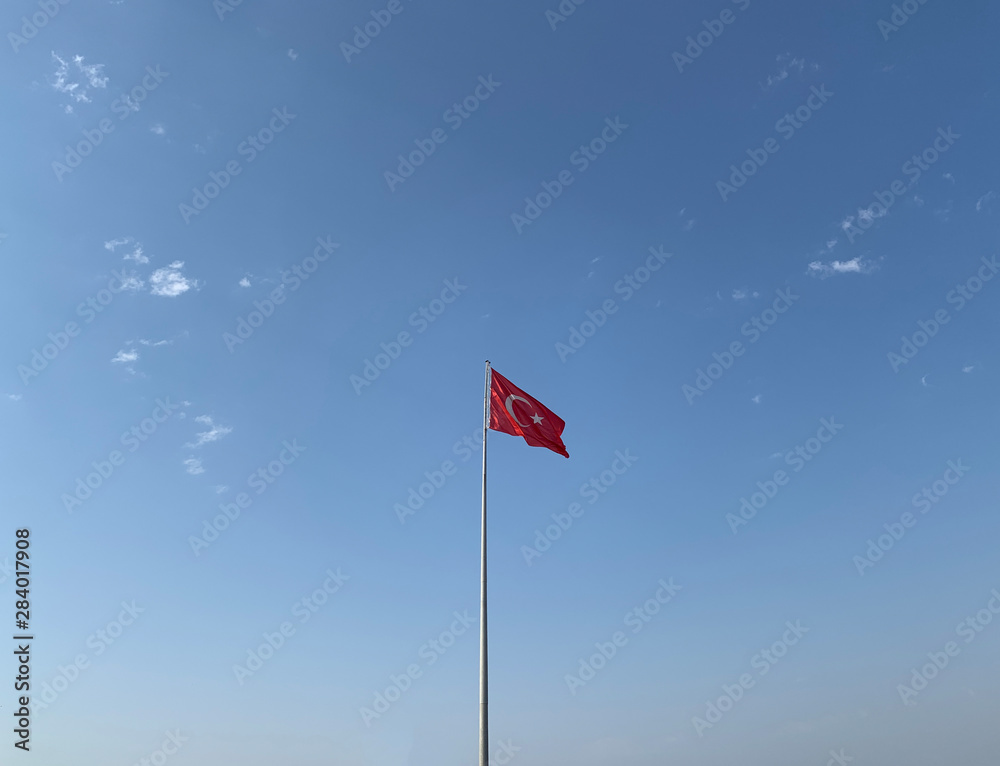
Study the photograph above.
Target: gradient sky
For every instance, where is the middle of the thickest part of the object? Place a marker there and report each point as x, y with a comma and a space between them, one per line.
183, 93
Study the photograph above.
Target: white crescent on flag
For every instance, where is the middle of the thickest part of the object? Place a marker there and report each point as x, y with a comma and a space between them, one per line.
510, 409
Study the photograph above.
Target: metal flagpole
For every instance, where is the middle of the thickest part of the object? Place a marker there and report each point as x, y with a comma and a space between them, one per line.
484, 755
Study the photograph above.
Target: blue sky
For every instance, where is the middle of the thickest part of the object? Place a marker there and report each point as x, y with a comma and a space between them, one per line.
255, 260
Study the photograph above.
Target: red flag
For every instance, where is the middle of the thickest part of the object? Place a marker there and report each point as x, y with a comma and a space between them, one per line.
514, 412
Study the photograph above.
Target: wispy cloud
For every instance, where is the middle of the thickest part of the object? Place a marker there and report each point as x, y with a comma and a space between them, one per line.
857, 265
787, 65
293, 54
985, 200
14, 397
866, 215
158, 129
169, 282
213, 434
968, 368
124, 357
245, 282
131, 282
193, 465
757, 399
77, 84
134, 249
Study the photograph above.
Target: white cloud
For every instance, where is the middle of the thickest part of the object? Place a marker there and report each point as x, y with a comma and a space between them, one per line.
135, 248
245, 282
146, 342
65, 81
158, 129
124, 357
786, 66
136, 255
923, 381
985, 200
872, 213
688, 225
854, 266
757, 399
193, 466
968, 368
14, 397
949, 176
131, 282
213, 434
293, 54
739, 295
221, 488
866, 215
169, 282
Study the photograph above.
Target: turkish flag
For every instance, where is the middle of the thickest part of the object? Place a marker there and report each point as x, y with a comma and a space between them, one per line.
514, 412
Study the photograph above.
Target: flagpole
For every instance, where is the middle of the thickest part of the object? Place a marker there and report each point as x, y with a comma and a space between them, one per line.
484, 755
